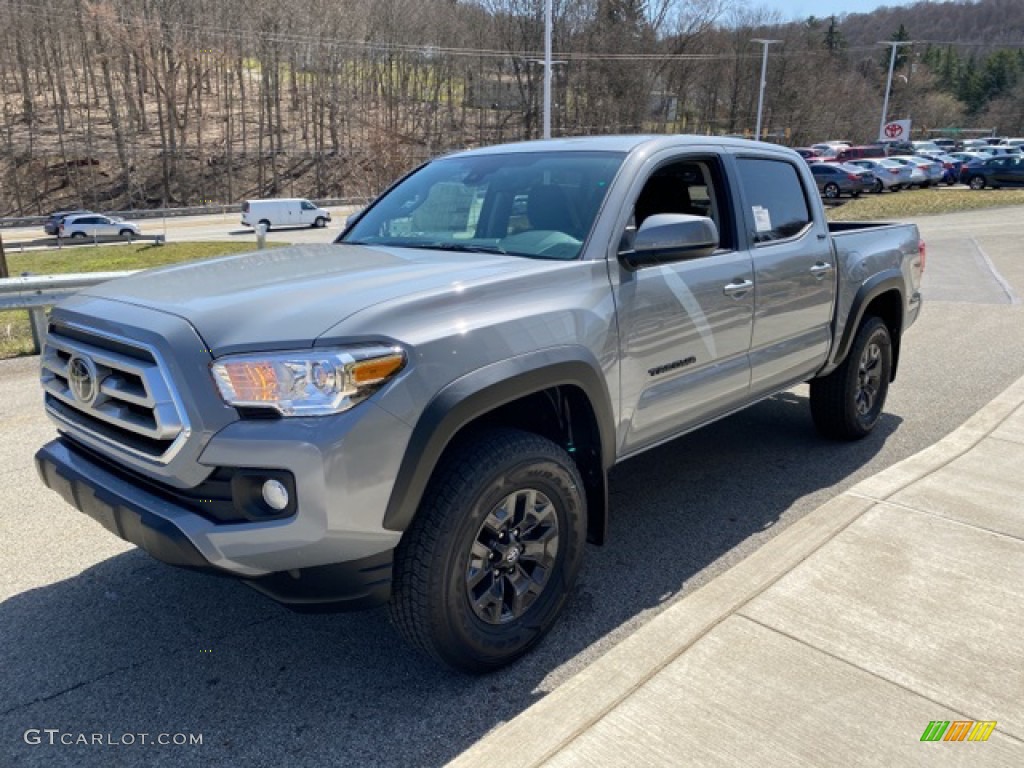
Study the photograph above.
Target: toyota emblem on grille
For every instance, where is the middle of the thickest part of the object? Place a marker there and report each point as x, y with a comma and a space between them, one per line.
82, 379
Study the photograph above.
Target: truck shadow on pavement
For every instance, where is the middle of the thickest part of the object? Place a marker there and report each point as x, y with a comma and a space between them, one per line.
133, 646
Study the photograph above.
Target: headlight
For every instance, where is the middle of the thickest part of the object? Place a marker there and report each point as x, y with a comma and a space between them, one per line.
306, 383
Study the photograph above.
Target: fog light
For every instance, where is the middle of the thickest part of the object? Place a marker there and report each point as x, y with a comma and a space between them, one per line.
275, 495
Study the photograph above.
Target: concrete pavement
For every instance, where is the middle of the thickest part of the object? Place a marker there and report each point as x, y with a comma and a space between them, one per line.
897, 603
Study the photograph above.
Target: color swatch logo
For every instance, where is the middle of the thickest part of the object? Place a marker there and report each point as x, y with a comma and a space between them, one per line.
958, 730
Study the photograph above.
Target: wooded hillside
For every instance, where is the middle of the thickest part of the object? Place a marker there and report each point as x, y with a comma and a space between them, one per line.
120, 104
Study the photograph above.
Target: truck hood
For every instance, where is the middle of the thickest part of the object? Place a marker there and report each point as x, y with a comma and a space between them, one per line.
286, 297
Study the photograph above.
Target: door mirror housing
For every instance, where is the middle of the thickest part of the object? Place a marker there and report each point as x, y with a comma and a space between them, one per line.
667, 237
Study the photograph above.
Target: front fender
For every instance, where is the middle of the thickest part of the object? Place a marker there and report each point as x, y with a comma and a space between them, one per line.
468, 398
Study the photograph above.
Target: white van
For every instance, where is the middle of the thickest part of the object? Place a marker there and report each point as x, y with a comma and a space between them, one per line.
283, 212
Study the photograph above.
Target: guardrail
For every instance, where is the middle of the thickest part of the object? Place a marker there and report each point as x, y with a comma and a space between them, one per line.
72, 242
37, 292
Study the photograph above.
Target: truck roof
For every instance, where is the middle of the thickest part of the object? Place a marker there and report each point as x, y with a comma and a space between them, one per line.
624, 143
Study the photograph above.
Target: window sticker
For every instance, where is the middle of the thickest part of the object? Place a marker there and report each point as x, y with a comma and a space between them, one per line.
762, 219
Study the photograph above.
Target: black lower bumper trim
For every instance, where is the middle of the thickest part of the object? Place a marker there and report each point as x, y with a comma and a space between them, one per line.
72, 475
352, 585
127, 511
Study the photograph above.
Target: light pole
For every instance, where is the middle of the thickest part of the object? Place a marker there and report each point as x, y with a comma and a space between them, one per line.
888, 82
764, 70
547, 66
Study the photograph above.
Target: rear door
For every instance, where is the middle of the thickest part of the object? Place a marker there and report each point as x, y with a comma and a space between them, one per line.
794, 273
684, 326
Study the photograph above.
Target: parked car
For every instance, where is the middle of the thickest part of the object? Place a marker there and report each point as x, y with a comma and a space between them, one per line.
996, 172
1000, 150
930, 171
1015, 142
950, 165
950, 145
808, 153
96, 225
846, 154
834, 180
888, 174
52, 224
970, 145
284, 212
898, 148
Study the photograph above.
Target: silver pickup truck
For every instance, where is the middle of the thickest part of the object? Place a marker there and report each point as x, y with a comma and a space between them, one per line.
424, 412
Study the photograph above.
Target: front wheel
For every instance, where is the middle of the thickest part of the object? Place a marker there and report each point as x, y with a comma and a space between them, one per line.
320, 222
976, 182
482, 573
126, 233
831, 191
847, 403
878, 187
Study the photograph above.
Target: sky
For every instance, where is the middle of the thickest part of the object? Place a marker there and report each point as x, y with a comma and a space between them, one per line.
794, 10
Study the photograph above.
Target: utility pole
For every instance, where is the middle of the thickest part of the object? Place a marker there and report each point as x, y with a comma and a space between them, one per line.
888, 82
764, 71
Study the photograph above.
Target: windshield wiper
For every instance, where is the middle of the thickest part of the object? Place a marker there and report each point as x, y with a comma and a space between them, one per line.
469, 248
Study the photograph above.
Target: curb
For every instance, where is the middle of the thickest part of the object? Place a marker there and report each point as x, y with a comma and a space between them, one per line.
542, 730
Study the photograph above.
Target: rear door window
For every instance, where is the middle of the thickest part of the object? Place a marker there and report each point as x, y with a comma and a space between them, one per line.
775, 200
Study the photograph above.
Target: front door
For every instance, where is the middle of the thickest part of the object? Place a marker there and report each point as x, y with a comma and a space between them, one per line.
684, 327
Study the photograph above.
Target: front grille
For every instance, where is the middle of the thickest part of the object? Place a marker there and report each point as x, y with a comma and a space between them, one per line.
113, 390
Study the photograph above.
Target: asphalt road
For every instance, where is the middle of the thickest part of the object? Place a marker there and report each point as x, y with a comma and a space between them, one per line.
225, 226
97, 638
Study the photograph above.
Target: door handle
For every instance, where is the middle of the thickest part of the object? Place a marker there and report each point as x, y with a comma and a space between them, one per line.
821, 269
737, 288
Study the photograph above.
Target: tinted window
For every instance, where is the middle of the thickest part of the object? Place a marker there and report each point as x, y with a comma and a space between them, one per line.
775, 198
693, 187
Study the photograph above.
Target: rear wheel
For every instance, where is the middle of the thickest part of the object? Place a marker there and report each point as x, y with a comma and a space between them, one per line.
78, 235
847, 403
482, 573
831, 191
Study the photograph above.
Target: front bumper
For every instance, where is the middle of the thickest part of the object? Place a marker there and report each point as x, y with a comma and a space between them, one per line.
159, 526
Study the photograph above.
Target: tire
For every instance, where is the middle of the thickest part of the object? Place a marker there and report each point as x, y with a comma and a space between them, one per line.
925, 184
452, 571
126, 233
320, 223
831, 191
265, 223
976, 182
878, 187
855, 194
78, 235
846, 404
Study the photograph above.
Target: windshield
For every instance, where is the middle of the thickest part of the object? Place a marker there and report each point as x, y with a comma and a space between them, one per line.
536, 204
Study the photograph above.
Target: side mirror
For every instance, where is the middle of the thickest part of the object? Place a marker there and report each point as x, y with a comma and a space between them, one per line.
667, 237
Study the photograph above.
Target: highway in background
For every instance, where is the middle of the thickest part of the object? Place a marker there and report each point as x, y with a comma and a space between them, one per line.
215, 227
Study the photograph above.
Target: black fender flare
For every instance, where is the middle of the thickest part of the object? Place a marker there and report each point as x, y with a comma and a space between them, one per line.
481, 391
884, 282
